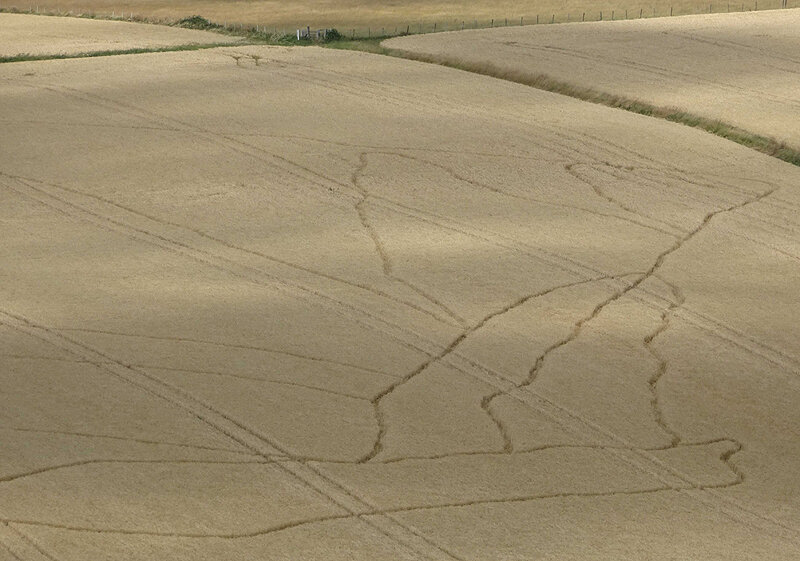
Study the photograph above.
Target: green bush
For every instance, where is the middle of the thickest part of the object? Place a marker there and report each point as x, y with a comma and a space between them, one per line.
333, 35
197, 22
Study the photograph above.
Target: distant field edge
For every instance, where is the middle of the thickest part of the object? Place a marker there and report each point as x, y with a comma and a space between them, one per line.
765, 145
23, 57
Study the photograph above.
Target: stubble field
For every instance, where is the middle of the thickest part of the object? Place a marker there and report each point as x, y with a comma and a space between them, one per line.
295, 303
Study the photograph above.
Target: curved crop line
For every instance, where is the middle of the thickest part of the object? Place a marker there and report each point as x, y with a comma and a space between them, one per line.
724, 456
123, 438
380, 248
17, 476
376, 401
765, 145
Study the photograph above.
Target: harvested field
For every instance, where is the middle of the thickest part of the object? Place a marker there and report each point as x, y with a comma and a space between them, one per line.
743, 69
39, 35
272, 303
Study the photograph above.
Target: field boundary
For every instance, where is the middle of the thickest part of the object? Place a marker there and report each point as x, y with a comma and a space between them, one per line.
255, 35
25, 57
765, 145
284, 33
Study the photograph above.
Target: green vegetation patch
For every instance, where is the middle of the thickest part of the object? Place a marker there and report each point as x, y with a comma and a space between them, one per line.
23, 57
197, 22
763, 144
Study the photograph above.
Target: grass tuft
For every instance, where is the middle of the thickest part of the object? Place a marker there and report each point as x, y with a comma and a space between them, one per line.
197, 22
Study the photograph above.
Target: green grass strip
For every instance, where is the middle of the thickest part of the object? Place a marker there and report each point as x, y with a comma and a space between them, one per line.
763, 144
191, 47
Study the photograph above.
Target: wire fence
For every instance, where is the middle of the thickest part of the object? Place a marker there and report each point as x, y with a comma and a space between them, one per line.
567, 17
443, 25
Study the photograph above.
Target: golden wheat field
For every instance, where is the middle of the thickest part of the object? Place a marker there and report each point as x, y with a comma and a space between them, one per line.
743, 69
35, 35
285, 303
389, 16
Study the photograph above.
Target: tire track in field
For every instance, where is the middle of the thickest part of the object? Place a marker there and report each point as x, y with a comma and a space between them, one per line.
380, 249
122, 438
225, 244
579, 269
650, 273
377, 400
487, 187
668, 74
20, 545
234, 268
344, 499
297, 171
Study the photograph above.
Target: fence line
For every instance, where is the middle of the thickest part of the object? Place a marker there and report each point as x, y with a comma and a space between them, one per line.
455, 24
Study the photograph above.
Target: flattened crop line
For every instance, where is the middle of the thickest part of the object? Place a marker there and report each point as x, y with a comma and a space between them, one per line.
380, 248
579, 269
253, 379
262, 445
661, 369
249, 150
570, 169
246, 272
269, 350
20, 545
481, 185
710, 497
123, 438
545, 447
16, 476
376, 401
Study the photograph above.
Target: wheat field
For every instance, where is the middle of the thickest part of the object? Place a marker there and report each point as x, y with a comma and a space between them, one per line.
23, 34
389, 17
741, 69
295, 303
